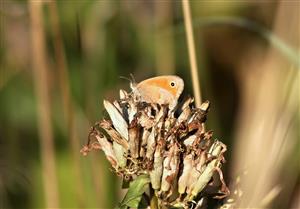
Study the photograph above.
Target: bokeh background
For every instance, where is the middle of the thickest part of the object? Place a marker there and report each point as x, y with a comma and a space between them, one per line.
60, 59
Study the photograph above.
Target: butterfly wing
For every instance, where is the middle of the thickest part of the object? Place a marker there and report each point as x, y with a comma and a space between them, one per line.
154, 94
158, 90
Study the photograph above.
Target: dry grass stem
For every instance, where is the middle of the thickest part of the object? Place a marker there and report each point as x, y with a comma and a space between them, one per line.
43, 103
192, 51
164, 47
68, 112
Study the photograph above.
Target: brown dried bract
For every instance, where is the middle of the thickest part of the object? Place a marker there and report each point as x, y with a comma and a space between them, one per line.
171, 146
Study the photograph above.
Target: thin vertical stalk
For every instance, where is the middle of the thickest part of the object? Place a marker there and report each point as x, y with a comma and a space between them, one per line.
60, 57
94, 45
43, 103
164, 38
192, 51
68, 112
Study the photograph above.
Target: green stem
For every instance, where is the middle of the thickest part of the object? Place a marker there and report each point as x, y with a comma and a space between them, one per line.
153, 200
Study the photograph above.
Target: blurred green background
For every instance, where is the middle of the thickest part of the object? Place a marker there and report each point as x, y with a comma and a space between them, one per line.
60, 59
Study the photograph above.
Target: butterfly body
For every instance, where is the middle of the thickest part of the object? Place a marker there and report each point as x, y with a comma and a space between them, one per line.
160, 89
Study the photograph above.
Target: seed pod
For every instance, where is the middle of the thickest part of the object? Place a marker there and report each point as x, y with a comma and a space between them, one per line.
106, 146
145, 136
115, 136
202, 159
117, 105
123, 94
170, 168
186, 113
117, 119
156, 172
134, 138
193, 177
190, 140
184, 178
205, 106
151, 144
145, 119
120, 153
187, 103
205, 177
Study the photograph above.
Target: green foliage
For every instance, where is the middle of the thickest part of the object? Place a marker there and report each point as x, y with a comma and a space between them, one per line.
135, 192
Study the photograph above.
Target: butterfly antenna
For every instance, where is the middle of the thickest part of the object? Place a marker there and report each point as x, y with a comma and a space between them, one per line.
131, 80
123, 77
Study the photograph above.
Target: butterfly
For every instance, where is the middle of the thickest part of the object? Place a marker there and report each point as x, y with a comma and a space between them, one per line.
161, 89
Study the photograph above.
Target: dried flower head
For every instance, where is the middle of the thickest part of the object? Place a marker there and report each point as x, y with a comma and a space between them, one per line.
169, 146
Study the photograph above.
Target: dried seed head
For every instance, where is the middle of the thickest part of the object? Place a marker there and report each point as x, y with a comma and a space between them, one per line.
170, 145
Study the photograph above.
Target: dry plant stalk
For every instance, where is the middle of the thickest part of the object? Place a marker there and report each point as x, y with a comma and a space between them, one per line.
40, 72
192, 49
169, 146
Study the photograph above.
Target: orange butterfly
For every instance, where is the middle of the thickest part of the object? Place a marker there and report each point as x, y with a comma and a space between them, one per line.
160, 89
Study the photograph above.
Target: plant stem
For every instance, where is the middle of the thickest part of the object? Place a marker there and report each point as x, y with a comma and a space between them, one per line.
154, 204
40, 72
67, 104
192, 52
